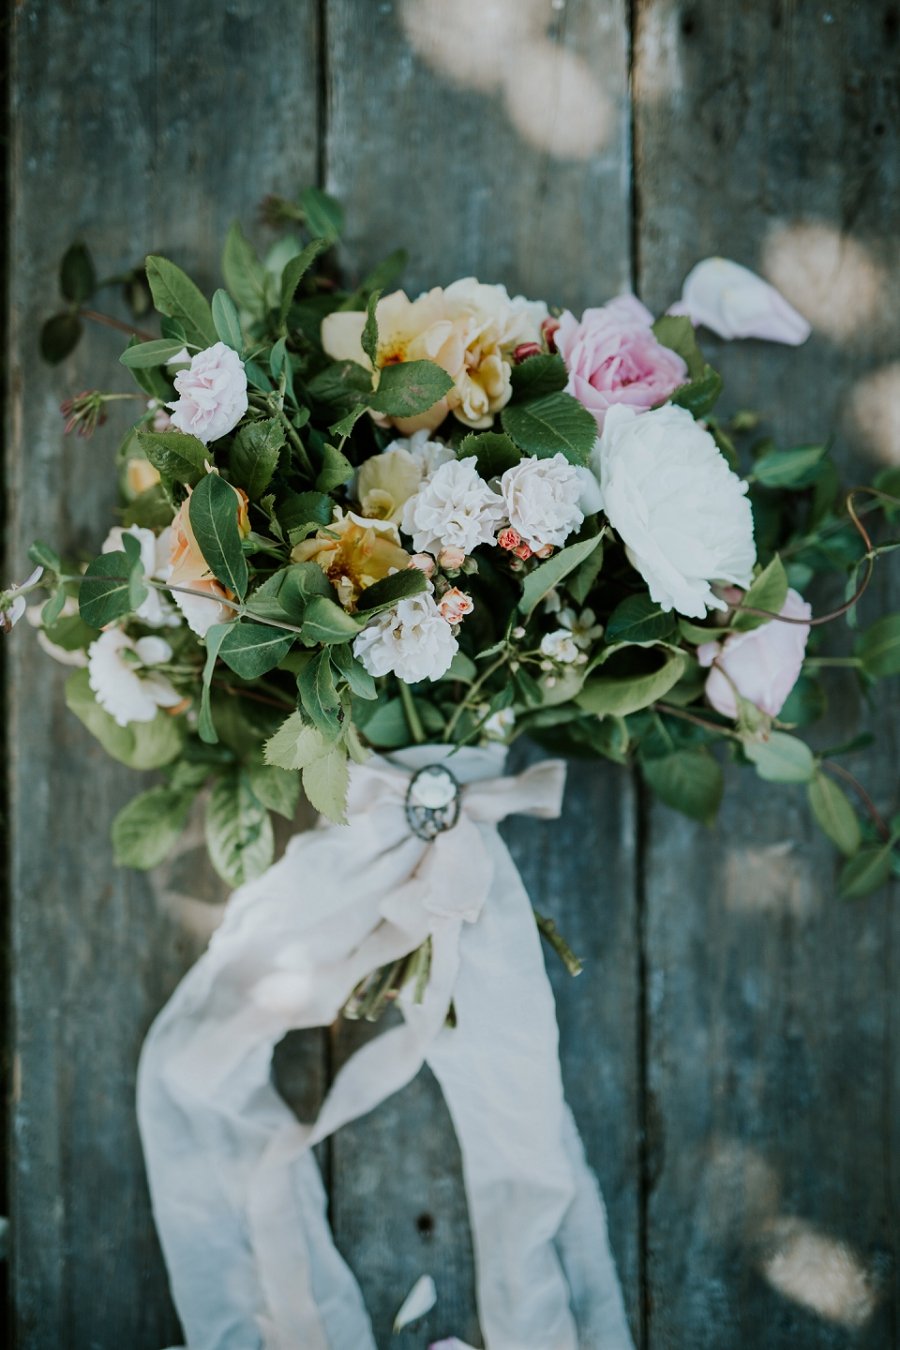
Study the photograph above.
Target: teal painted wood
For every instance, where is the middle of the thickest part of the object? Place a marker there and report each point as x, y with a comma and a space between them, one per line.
769, 133
134, 126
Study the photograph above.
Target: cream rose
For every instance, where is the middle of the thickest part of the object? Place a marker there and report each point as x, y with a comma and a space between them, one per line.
682, 514
354, 553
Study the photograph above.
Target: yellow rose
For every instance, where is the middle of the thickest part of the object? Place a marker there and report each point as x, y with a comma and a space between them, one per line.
386, 482
140, 476
354, 553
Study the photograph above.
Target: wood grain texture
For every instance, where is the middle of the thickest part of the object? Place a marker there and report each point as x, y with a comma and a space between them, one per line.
769, 133
136, 127
428, 155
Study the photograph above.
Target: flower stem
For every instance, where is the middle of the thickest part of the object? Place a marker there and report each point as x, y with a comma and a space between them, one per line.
109, 322
451, 725
549, 930
417, 731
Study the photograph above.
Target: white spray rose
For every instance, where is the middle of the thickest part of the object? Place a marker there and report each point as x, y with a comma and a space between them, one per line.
453, 509
155, 610
682, 514
411, 641
120, 674
542, 500
212, 394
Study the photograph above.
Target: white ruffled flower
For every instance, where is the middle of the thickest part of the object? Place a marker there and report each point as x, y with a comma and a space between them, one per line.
411, 641
682, 514
542, 499
155, 611
583, 627
212, 394
120, 676
428, 454
560, 646
453, 509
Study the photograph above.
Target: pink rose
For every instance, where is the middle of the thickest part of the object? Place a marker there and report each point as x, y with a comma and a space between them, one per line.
455, 605
762, 665
212, 394
613, 357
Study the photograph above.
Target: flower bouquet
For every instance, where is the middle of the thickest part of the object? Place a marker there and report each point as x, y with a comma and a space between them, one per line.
366, 541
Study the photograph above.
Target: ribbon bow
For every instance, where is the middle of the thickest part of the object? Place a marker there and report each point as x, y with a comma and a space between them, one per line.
237, 1196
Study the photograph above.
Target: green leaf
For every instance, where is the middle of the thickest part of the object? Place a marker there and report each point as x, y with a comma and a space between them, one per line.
879, 647
244, 274
295, 744
44, 556
178, 456
277, 789
325, 782
213, 512
77, 278
140, 745
390, 590
554, 425
254, 455
866, 871
300, 582
238, 830
175, 295
700, 396
319, 696
676, 331
639, 619
145, 831
781, 758
336, 469
538, 376
369, 340
215, 636
494, 452
252, 649
580, 582
326, 622
59, 337
832, 809
112, 586
688, 780
768, 591
621, 696
299, 512
145, 355
358, 678
324, 213
293, 274
549, 574
410, 388
225, 318
795, 468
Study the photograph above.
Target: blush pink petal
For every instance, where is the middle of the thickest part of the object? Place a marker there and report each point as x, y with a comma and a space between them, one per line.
762, 665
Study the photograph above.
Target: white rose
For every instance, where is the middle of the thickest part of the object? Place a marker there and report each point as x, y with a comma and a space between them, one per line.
155, 611
542, 500
412, 642
682, 514
428, 454
212, 394
453, 509
119, 676
560, 646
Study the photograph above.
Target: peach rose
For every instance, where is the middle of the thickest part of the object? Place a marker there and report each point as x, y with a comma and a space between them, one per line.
354, 553
188, 567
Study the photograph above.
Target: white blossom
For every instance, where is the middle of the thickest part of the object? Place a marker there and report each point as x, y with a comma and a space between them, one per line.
155, 610
13, 603
542, 498
454, 509
560, 646
411, 641
682, 514
584, 626
212, 394
121, 675
498, 726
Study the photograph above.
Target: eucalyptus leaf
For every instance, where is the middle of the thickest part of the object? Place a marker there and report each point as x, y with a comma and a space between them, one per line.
688, 780
215, 636
252, 649
326, 622
175, 295
388, 592
620, 696
146, 355
112, 587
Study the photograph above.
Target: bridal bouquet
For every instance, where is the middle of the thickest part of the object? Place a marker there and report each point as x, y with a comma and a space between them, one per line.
365, 542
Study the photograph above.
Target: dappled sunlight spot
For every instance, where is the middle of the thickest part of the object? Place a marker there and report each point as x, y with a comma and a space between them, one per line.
875, 412
744, 1190
818, 1272
657, 68
831, 278
185, 886
555, 103
769, 880
472, 41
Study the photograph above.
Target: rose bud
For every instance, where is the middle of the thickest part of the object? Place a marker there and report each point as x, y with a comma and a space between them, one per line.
509, 539
524, 350
544, 552
423, 562
455, 605
548, 328
451, 559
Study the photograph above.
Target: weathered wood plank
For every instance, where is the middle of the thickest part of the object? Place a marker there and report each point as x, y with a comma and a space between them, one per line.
429, 147
137, 127
768, 133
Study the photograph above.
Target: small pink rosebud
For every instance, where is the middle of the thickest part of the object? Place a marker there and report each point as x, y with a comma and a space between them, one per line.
524, 350
523, 552
455, 605
509, 539
548, 328
423, 562
451, 559
544, 552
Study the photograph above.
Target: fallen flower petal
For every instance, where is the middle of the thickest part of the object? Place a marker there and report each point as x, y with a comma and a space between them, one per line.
734, 302
420, 1300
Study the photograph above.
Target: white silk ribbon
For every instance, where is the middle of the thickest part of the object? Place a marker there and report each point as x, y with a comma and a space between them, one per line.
237, 1196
